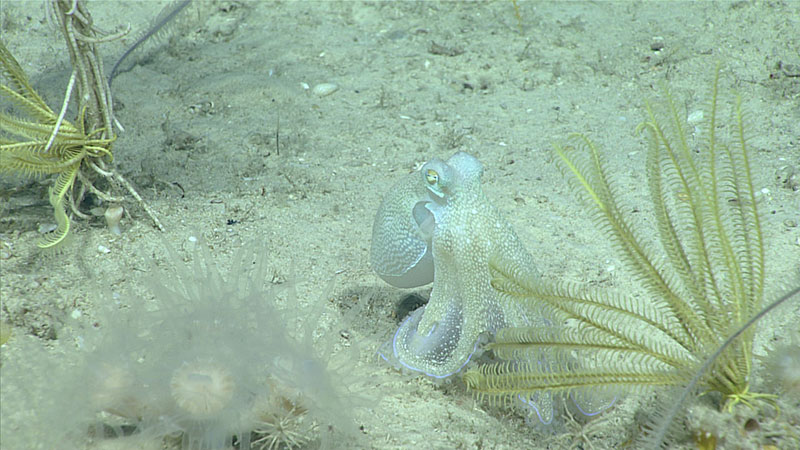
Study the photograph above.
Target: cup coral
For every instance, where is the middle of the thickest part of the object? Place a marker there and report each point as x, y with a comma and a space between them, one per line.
202, 388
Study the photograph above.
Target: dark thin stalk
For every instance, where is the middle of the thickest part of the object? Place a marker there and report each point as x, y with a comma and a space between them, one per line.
176, 9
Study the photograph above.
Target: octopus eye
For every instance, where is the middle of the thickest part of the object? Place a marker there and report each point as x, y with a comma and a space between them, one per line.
432, 177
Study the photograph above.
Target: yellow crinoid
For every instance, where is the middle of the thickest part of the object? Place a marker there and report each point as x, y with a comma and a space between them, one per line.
703, 276
44, 143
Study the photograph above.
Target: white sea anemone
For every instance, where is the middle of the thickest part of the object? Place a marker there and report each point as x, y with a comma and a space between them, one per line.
211, 363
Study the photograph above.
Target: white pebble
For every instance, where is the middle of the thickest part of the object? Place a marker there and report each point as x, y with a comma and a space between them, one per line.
103, 249
325, 89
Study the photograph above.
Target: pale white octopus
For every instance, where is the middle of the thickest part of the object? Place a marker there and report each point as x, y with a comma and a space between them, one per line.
437, 226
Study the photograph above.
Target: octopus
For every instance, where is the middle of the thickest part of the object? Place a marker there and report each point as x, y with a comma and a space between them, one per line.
437, 226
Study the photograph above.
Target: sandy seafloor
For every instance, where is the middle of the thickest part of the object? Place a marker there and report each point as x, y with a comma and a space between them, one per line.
201, 110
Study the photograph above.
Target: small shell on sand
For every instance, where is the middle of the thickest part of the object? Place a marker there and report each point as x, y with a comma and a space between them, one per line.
325, 89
